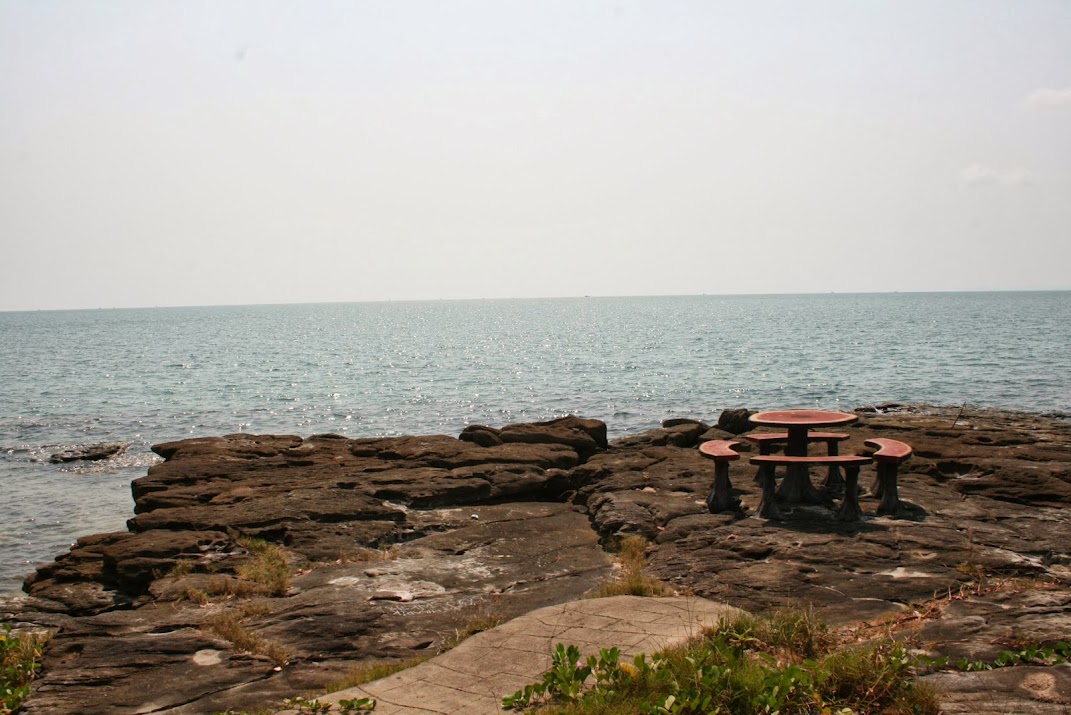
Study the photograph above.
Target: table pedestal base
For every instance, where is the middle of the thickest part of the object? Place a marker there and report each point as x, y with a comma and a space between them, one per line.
797, 487
849, 508
768, 506
887, 491
721, 496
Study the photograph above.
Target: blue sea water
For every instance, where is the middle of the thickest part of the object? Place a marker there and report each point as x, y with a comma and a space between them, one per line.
144, 376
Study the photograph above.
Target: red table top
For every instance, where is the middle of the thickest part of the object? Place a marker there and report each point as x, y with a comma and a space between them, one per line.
803, 418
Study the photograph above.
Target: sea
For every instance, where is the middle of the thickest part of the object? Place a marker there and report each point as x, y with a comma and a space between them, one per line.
143, 376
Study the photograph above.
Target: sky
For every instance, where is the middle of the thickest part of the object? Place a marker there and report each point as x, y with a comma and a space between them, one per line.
208, 153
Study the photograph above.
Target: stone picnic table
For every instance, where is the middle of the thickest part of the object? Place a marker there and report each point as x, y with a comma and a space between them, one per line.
799, 423
797, 486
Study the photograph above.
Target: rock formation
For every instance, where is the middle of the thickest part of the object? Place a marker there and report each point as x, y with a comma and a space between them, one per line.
386, 548
89, 453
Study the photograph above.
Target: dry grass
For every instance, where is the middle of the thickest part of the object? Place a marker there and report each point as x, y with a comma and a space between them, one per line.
228, 626
225, 587
267, 573
483, 619
368, 672
362, 554
181, 568
631, 579
196, 595
267, 568
255, 609
933, 609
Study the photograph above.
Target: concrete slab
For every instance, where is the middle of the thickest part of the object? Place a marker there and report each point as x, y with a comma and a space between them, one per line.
475, 676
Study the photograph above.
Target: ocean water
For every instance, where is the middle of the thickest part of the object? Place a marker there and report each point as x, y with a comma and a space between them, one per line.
139, 377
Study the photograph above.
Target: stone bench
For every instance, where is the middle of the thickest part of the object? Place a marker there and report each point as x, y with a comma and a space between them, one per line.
721, 497
768, 463
766, 441
890, 454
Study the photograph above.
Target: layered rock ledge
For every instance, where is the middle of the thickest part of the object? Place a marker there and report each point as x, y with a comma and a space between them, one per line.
393, 545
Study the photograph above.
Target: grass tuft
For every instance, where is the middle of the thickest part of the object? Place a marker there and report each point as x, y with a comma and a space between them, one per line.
181, 568
631, 579
267, 568
368, 672
789, 631
228, 626
362, 554
255, 609
482, 620
225, 587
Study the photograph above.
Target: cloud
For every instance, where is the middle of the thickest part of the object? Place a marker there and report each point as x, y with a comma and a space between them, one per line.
1043, 99
979, 174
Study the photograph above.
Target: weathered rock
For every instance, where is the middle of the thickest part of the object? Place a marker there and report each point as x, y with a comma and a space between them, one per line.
715, 433
481, 434
510, 560
735, 421
90, 453
678, 421
583, 436
682, 435
330, 503
596, 429
1024, 690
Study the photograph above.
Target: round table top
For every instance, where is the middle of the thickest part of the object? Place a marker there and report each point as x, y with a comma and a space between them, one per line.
803, 418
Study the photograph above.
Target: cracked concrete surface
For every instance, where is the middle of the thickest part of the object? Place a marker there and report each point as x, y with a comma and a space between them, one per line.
475, 676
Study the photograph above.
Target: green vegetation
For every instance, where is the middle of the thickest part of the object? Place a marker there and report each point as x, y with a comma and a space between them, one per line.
783, 663
346, 707
1030, 654
19, 662
631, 580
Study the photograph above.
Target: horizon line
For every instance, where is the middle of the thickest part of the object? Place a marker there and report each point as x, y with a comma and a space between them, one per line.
524, 298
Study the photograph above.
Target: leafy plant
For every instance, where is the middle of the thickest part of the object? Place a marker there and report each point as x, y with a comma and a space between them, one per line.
357, 705
306, 706
782, 663
19, 662
1030, 654
564, 680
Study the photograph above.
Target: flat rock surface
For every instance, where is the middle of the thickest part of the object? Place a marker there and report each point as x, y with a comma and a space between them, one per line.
394, 545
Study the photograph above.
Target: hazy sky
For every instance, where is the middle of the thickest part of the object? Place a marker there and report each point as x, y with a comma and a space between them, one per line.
188, 153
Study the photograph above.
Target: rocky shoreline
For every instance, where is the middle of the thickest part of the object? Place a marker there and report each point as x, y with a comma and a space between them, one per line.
385, 549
